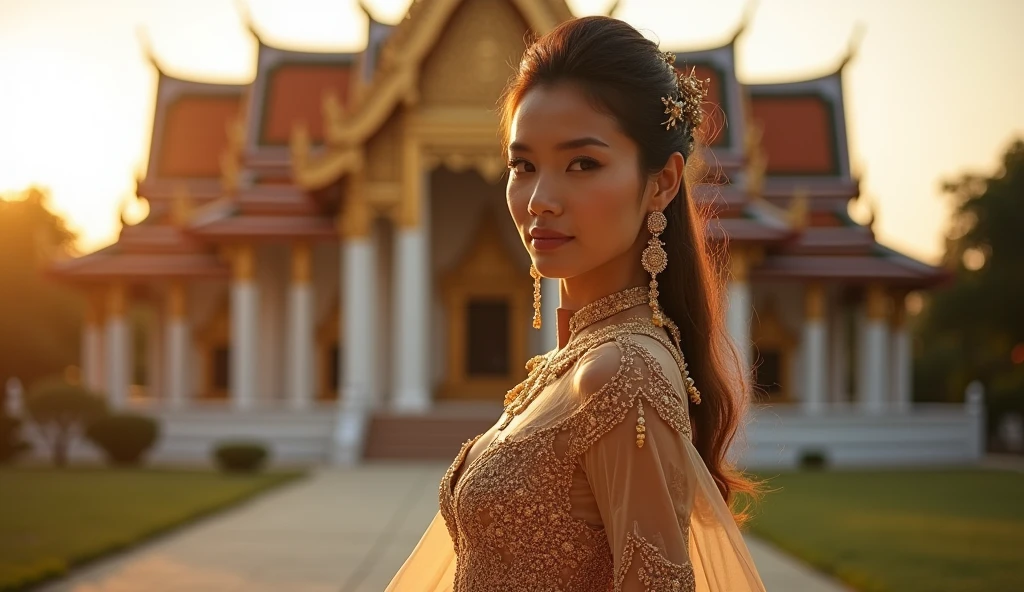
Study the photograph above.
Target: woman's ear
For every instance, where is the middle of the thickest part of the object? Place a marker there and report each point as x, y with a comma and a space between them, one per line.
667, 182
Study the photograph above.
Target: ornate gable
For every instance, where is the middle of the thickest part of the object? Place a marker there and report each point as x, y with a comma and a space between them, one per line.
405, 53
471, 62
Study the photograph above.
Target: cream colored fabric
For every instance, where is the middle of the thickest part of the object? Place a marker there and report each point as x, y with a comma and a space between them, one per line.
665, 523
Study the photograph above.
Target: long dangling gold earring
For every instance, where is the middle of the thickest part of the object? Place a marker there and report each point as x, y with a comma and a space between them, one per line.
655, 260
536, 295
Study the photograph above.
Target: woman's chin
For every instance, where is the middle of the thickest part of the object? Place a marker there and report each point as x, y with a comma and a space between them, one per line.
551, 266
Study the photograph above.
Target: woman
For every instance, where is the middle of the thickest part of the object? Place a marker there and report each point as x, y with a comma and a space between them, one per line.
607, 470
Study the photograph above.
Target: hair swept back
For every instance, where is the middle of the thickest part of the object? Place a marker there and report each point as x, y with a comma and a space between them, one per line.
624, 74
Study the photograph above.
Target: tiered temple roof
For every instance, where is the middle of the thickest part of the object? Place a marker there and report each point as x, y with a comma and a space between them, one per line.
266, 160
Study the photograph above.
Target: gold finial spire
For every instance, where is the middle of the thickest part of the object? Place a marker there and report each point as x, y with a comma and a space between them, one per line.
300, 146
748, 15
856, 37
799, 208
333, 110
230, 160
757, 160
181, 212
146, 44
246, 15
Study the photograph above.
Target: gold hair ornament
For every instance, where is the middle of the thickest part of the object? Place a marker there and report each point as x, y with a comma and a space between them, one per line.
685, 108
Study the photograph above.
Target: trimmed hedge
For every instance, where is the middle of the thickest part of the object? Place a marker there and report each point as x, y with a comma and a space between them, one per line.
11, 443
813, 460
241, 457
60, 411
124, 438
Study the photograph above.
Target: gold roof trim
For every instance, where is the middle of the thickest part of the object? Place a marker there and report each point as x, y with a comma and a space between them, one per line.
395, 81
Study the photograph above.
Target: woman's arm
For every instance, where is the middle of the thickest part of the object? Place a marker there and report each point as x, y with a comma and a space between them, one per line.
639, 472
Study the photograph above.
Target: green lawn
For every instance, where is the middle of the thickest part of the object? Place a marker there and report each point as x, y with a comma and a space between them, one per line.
902, 531
53, 519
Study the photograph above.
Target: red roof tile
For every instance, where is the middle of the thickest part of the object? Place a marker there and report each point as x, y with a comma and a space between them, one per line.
295, 94
195, 135
799, 135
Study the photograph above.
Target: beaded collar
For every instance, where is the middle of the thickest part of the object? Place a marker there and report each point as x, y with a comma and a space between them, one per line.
607, 307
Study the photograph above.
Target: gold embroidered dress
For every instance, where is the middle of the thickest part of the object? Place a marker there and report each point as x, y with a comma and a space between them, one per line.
568, 495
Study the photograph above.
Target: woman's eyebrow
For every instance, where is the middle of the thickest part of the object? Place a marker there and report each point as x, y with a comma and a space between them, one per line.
567, 145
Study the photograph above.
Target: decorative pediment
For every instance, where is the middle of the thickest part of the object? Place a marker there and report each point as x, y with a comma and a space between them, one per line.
404, 53
470, 63
441, 29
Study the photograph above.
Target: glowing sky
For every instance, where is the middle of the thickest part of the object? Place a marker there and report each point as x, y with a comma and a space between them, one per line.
936, 87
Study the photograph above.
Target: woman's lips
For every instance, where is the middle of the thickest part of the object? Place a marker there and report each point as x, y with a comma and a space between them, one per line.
545, 240
546, 244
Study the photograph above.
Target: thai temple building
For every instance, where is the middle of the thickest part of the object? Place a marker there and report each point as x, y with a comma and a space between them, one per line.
328, 264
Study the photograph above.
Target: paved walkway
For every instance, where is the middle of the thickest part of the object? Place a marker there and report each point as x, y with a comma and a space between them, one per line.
340, 530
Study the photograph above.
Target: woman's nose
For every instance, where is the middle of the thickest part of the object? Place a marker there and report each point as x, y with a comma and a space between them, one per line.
545, 199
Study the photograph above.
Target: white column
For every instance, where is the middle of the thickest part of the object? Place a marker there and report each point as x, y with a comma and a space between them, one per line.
740, 308
873, 382
244, 319
412, 319
902, 363
176, 339
92, 345
359, 388
359, 303
118, 344
300, 329
549, 300
815, 349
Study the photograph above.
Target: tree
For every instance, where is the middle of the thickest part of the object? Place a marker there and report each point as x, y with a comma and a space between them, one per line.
61, 412
973, 328
40, 319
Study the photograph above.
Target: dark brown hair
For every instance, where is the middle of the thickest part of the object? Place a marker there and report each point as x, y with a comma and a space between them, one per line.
623, 74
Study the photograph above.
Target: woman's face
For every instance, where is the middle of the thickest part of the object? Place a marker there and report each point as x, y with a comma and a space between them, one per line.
574, 186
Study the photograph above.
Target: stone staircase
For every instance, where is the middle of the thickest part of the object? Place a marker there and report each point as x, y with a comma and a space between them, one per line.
435, 435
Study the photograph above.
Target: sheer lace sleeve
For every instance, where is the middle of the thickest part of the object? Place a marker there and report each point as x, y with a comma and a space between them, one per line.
639, 473
665, 520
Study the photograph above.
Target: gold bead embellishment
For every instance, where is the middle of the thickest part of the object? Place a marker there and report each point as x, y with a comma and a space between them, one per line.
641, 424
655, 260
606, 307
685, 108
691, 388
545, 369
536, 295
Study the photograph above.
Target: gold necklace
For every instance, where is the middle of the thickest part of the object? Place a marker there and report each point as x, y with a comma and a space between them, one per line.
594, 312
545, 369
606, 307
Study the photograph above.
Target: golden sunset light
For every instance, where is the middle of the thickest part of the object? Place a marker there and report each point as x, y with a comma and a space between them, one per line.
926, 91
677, 287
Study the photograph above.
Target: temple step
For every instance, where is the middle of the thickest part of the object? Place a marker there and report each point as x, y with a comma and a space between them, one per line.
436, 435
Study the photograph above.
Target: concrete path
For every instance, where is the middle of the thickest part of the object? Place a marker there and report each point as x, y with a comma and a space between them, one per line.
340, 530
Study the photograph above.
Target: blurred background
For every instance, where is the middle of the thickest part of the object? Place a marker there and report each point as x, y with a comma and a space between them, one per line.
256, 265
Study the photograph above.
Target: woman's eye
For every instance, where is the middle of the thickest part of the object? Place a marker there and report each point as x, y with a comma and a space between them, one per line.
519, 166
583, 164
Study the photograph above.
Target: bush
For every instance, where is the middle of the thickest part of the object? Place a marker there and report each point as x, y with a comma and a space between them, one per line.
124, 438
813, 460
61, 410
11, 444
240, 457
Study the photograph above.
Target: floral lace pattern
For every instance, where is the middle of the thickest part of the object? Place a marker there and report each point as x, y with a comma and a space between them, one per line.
509, 510
657, 573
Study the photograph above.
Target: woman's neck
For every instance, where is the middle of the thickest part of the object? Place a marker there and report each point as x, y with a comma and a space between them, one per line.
576, 292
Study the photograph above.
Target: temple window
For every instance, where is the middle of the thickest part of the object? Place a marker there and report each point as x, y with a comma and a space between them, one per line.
487, 334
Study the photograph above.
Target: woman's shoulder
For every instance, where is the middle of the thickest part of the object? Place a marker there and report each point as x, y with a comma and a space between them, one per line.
625, 361
615, 376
